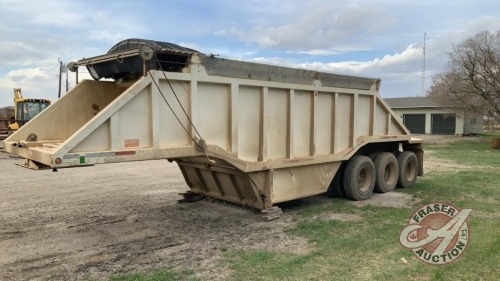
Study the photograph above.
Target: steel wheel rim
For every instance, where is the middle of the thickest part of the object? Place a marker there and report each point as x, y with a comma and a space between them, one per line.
411, 171
390, 173
364, 179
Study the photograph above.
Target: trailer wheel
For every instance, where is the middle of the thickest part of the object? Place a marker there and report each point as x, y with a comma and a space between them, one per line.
373, 155
359, 178
396, 153
408, 169
387, 171
336, 189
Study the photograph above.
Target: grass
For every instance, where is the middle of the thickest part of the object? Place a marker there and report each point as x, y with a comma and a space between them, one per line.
368, 249
471, 152
157, 275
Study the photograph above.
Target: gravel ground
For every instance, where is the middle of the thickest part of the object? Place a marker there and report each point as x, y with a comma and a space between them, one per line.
90, 222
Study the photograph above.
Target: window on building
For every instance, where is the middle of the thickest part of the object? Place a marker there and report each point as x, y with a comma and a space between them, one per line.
473, 121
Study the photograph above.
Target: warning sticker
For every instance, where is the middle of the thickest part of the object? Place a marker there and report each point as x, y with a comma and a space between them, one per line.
132, 143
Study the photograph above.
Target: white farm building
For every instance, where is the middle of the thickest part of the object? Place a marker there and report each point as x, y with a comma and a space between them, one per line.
422, 115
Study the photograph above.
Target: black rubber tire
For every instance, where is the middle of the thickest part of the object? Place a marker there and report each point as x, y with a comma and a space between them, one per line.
387, 171
359, 178
373, 155
396, 153
336, 188
408, 169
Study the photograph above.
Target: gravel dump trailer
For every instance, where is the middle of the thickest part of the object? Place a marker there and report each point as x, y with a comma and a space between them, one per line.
249, 133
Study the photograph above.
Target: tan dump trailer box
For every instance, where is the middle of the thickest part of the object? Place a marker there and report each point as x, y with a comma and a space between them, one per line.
248, 133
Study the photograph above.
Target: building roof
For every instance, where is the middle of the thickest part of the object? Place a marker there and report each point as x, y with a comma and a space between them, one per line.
411, 102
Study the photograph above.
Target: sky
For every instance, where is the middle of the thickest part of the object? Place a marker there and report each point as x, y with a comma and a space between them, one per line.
378, 38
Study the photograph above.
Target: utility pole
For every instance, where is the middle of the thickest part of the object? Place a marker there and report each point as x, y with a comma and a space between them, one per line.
60, 78
67, 84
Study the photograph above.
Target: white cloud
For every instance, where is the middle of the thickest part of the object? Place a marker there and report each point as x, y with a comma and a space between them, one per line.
46, 13
318, 25
317, 52
36, 34
105, 36
37, 82
386, 32
276, 61
31, 73
396, 70
394, 62
18, 53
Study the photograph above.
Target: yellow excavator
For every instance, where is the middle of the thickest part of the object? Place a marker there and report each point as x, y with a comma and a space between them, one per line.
24, 110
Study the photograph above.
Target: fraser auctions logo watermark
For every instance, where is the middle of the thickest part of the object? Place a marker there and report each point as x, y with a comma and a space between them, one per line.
437, 233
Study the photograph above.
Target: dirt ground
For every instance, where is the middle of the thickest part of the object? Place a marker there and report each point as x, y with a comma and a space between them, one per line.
435, 165
91, 222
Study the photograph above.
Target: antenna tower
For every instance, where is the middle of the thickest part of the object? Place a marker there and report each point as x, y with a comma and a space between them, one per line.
422, 89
